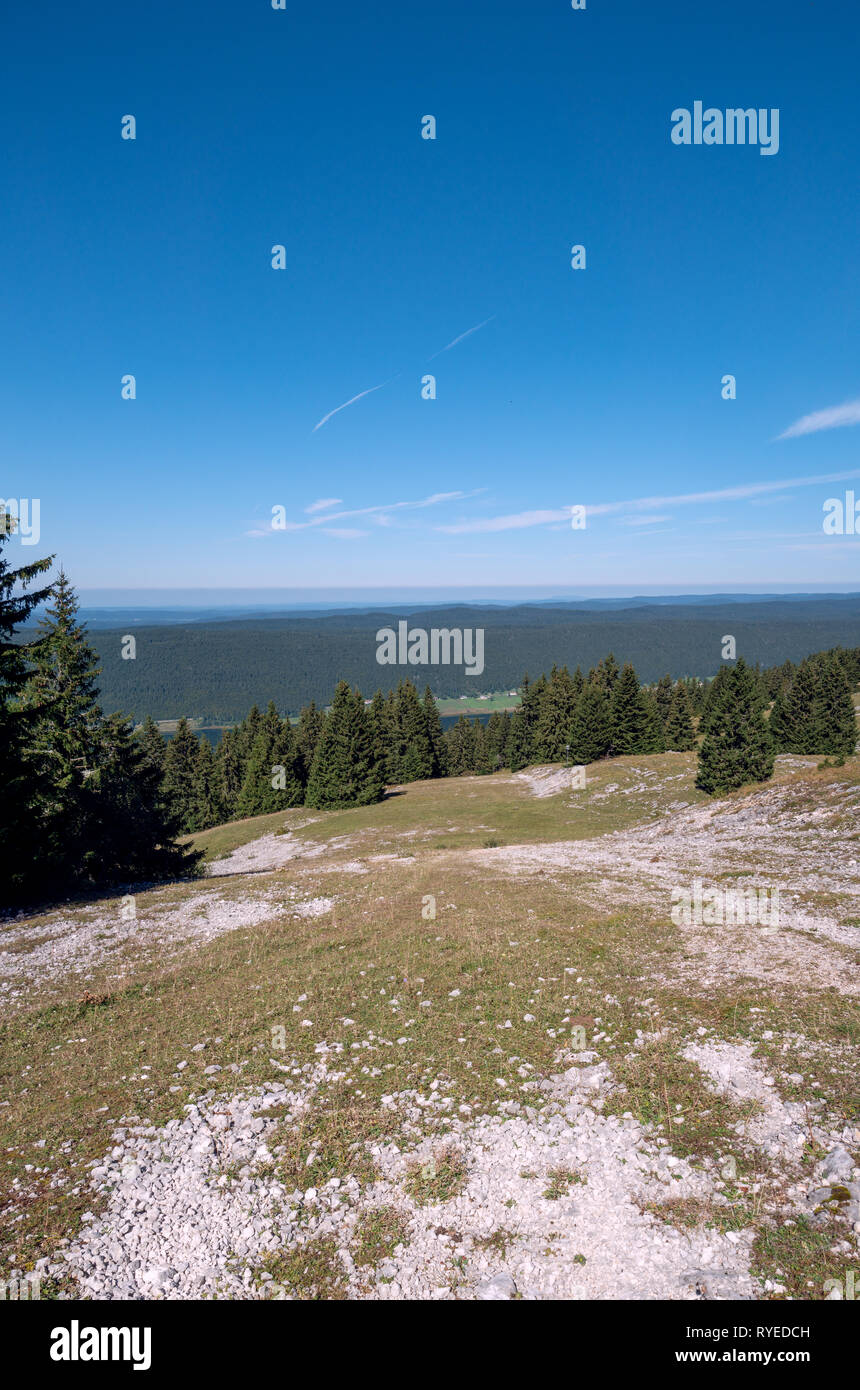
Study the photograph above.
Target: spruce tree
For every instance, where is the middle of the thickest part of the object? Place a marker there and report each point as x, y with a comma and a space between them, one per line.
131, 832
778, 723
62, 694
345, 771
632, 720
180, 768
589, 733
20, 810
798, 721
308, 730
229, 766
737, 747
209, 808
712, 697
152, 745
606, 673
835, 720
272, 781
497, 734
462, 743
679, 734
554, 717
435, 735
663, 692
520, 751
416, 756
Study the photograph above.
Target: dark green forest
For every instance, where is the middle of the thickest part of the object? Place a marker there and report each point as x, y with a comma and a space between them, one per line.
215, 671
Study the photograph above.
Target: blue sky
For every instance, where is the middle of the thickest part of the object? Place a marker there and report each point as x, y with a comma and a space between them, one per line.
600, 387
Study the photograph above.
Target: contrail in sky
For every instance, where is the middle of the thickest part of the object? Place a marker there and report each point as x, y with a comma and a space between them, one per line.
468, 333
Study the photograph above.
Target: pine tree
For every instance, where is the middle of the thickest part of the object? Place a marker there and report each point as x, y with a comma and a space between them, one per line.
435, 736
272, 781
589, 733
482, 756
416, 753
778, 723
520, 751
131, 833
20, 811
345, 771
679, 735
308, 730
496, 740
180, 766
606, 673
229, 767
835, 717
663, 694
246, 737
462, 747
62, 694
152, 746
713, 696
554, 718
737, 747
632, 720
209, 808
798, 720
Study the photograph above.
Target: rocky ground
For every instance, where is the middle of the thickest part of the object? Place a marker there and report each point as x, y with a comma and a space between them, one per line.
570, 1183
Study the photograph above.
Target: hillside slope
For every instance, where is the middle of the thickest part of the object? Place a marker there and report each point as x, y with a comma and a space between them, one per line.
453, 1046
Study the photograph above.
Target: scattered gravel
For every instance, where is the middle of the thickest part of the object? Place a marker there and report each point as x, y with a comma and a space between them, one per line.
176, 1226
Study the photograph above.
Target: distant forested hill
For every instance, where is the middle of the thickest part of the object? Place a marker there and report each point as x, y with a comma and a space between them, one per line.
217, 670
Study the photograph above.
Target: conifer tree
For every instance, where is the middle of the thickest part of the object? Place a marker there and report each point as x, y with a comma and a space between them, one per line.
521, 743
246, 737
344, 770
712, 697
416, 753
272, 781
229, 766
462, 741
180, 768
62, 694
679, 735
496, 739
435, 735
835, 717
209, 808
632, 720
551, 736
152, 747
380, 734
778, 722
308, 730
20, 813
589, 733
606, 673
482, 761
737, 747
131, 833
663, 693
797, 719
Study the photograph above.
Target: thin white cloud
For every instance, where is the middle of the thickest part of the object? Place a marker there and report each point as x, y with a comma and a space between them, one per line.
378, 511
643, 520
468, 333
352, 400
837, 415
323, 504
344, 533
518, 520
